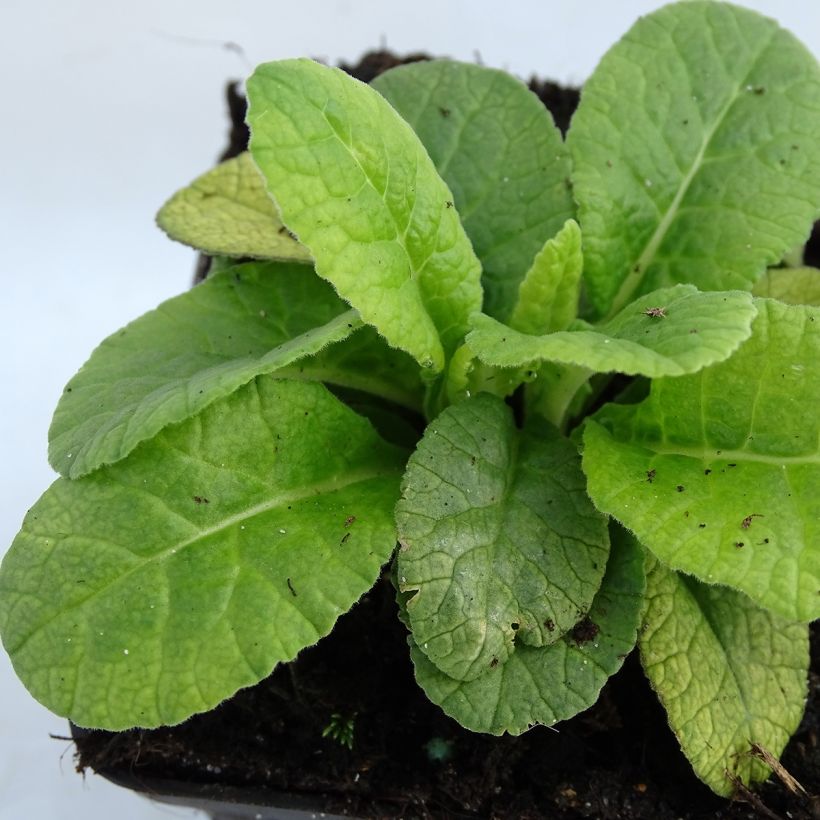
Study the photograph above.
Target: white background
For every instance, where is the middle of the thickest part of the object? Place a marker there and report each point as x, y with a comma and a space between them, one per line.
109, 107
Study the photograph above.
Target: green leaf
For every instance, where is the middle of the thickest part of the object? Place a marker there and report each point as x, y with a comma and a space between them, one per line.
547, 684
548, 294
498, 149
729, 674
692, 330
795, 286
717, 473
498, 538
155, 588
364, 362
695, 153
193, 349
227, 211
355, 184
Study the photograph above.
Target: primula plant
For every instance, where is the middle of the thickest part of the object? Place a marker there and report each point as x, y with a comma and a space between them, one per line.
611, 339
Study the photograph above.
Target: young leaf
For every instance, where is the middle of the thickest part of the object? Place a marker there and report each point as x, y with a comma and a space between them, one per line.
499, 151
548, 295
353, 181
795, 286
666, 333
542, 685
729, 674
193, 349
227, 211
695, 153
717, 473
498, 538
155, 588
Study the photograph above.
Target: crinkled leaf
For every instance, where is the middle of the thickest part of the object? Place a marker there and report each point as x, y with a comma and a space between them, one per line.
548, 295
352, 180
155, 588
729, 674
694, 330
718, 473
499, 151
695, 153
499, 538
795, 286
197, 347
542, 685
227, 211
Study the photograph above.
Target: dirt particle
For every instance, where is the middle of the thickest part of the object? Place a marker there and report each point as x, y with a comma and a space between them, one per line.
650, 476
200, 499
731, 465
707, 472
445, 112
701, 525
747, 521
493, 663
584, 631
344, 538
550, 625
680, 488
739, 545
448, 203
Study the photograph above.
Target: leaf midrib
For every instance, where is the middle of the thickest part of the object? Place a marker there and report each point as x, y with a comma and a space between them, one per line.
637, 269
317, 489
709, 454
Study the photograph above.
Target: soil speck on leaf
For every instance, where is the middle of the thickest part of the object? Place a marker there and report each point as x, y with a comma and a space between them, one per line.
747, 521
584, 631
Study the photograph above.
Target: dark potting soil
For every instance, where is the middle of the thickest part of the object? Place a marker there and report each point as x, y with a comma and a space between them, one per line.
618, 759
409, 760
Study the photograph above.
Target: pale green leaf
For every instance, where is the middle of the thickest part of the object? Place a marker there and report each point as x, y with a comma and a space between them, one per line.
497, 148
498, 538
197, 347
729, 674
542, 685
227, 211
718, 473
795, 286
692, 330
548, 294
695, 153
352, 180
155, 588
364, 362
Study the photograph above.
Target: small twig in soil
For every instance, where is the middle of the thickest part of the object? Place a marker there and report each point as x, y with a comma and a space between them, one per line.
778, 768
745, 795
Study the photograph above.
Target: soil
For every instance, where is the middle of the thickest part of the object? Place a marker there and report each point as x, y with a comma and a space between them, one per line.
408, 760
618, 759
